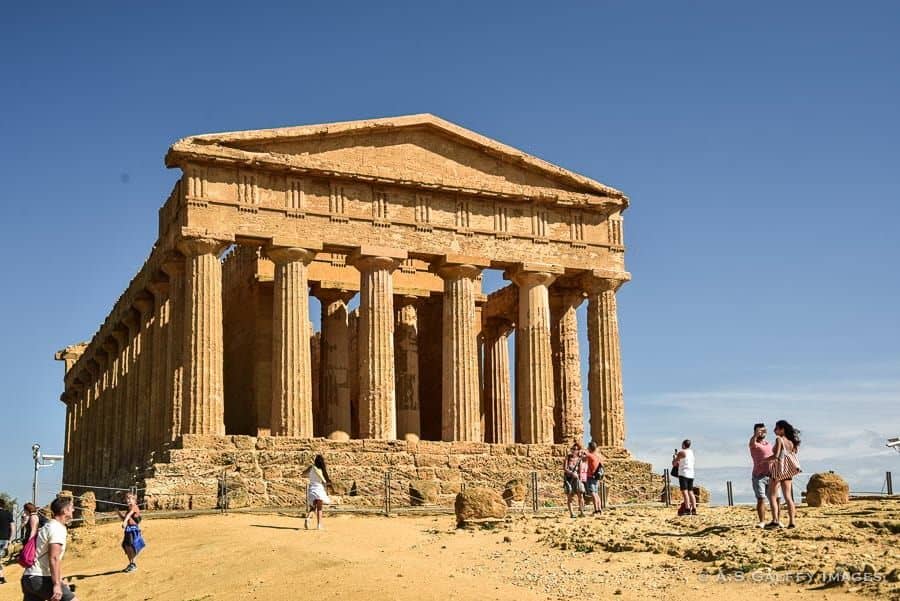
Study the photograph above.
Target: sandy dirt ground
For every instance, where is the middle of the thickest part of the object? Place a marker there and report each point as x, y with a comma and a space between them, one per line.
628, 553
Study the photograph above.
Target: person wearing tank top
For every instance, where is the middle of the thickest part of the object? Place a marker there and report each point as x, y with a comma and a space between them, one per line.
684, 459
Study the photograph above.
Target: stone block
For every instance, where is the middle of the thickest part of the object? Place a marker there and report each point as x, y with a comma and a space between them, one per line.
827, 488
470, 448
477, 503
424, 492
245, 443
431, 460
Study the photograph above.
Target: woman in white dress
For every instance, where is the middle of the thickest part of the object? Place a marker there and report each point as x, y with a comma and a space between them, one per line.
316, 495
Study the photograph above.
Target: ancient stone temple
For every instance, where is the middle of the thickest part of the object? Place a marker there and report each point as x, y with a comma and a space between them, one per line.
209, 358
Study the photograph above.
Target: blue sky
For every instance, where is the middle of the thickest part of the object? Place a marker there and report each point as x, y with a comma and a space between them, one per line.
758, 145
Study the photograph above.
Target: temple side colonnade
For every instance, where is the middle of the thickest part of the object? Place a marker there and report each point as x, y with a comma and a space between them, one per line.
213, 336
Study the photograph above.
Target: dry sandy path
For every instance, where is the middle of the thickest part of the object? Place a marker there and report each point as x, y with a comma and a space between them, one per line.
252, 556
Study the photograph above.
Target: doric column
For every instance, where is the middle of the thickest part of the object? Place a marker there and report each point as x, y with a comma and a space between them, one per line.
334, 379
534, 362
174, 361
120, 447
353, 370
461, 396
159, 376
111, 401
144, 305
497, 391
78, 446
406, 354
292, 399
605, 370
129, 402
203, 396
377, 411
568, 419
89, 456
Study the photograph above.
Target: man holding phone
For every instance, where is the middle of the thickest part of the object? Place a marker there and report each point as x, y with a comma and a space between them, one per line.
760, 449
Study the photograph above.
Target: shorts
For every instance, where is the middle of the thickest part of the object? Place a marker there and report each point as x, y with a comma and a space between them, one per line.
761, 486
685, 483
40, 588
592, 485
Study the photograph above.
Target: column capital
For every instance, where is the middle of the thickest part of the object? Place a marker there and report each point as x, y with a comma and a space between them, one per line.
498, 326
159, 285
534, 274
281, 255
331, 295
601, 280
120, 333
460, 266
367, 258
111, 346
143, 302
173, 264
202, 242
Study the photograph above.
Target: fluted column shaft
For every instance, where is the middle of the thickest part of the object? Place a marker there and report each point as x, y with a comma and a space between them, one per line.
203, 396
406, 342
335, 360
132, 386
174, 360
158, 376
292, 403
497, 391
109, 407
534, 365
605, 370
120, 445
377, 411
568, 410
461, 396
145, 307
90, 447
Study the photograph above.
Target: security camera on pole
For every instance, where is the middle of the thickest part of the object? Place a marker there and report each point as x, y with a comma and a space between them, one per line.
894, 443
40, 460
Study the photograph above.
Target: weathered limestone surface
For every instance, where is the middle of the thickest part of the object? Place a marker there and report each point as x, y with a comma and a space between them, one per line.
534, 367
292, 413
568, 422
605, 372
461, 416
407, 212
264, 471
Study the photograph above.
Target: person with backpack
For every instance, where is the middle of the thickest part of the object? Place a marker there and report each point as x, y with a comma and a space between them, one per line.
42, 581
595, 461
32, 521
684, 461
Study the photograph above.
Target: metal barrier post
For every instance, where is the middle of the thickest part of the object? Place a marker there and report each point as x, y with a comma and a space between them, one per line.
890, 483
667, 492
603, 493
534, 492
730, 493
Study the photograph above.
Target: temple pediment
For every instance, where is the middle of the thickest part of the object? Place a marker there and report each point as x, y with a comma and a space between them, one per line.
414, 149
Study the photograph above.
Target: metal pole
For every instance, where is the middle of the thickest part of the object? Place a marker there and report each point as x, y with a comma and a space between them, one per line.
534, 492
730, 493
35, 453
225, 492
386, 511
890, 483
667, 493
389, 491
603, 493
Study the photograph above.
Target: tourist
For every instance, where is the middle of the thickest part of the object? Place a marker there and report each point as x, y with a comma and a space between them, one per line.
43, 580
760, 451
132, 540
574, 475
595, 461
684, 460
316, 495
783, 466
32, 521
7, 532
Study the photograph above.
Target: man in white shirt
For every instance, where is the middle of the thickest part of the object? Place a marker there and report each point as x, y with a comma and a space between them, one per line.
43, 580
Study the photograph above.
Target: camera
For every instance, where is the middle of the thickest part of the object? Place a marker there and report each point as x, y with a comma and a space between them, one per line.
894, 443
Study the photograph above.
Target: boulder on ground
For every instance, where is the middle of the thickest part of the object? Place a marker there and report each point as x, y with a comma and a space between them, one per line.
476, 504
827, 489
85, 509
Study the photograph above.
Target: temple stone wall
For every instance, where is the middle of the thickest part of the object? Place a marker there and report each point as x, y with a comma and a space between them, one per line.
266, 471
